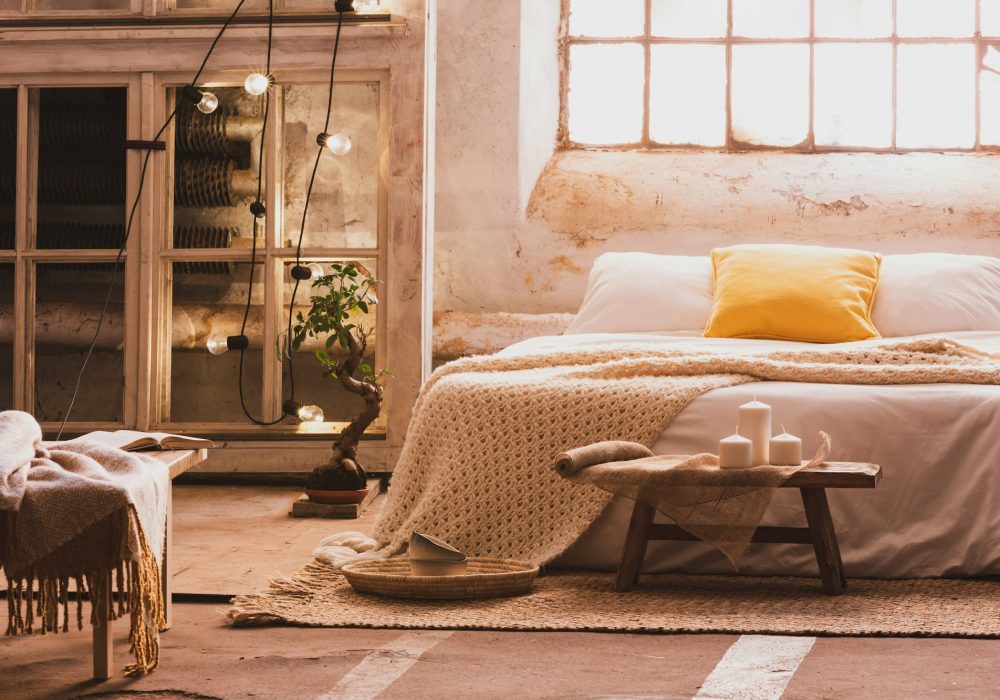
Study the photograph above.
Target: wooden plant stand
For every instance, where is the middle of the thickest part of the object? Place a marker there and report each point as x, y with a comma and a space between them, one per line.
812, 483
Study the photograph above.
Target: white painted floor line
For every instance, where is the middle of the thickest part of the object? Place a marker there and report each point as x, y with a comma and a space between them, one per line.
756, 667
384, 666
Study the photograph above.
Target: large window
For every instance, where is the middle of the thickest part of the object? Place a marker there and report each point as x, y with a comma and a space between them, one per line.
803, 75
189, 268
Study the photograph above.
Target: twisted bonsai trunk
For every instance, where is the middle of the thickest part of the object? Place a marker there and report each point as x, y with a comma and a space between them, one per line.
342, 472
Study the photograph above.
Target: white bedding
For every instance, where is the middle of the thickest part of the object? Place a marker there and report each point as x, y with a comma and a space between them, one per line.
936, 512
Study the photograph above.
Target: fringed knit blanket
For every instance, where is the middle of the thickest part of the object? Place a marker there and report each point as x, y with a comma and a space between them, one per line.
80, 512
477, 466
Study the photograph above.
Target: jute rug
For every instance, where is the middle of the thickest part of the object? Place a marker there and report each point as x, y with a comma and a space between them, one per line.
585, 601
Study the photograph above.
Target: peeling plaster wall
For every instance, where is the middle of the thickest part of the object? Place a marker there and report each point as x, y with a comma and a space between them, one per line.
498, 251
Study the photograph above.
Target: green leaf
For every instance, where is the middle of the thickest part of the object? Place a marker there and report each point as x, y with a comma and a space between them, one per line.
322, 356
363, 306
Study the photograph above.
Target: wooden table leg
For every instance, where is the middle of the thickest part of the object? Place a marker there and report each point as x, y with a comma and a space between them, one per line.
103, 639
824, 537
635, 546
168, 538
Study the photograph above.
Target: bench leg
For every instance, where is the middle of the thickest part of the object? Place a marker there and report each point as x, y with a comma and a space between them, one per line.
102, 635
824, 538
168, 538
635, 546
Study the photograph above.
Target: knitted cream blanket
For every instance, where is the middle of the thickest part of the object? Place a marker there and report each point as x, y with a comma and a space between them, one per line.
476, 469
82, 512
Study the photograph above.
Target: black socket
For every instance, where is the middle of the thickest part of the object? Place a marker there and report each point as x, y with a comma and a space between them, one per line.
301, 272
258, 209
344, 5
237, 342
191, 94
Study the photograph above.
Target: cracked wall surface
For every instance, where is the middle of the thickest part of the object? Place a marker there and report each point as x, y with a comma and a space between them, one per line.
498, 251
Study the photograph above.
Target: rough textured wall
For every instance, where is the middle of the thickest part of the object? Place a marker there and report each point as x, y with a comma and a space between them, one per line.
500, 251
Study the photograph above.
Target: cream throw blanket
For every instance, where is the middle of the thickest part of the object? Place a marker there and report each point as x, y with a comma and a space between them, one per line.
477, 466
83, 512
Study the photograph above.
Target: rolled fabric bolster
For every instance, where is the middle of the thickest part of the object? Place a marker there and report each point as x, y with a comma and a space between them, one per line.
572, 461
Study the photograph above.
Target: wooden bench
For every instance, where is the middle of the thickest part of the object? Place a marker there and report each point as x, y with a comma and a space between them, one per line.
178, 462
812, 484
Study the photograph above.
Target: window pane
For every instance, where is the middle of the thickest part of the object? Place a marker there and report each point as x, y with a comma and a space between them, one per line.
854, 19
936, 96
83, 4
221, 5
687, 101
853, 102
770, 99
771, 18
208, 299
989, 17
81, 167
6, 336
68, 302
688, 18
989, 90
601, 18
215, 171
8, 166
343, 210
935, 18
311, 387
605, 93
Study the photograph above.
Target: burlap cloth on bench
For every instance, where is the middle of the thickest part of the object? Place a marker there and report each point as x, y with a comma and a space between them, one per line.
723, 507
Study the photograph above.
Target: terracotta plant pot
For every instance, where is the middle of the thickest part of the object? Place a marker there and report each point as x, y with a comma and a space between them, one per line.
336, 497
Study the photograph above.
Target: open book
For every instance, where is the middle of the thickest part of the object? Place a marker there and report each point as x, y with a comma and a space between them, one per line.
138, 440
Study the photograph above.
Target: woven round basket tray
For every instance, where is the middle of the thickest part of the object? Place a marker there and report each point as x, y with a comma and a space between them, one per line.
487, 578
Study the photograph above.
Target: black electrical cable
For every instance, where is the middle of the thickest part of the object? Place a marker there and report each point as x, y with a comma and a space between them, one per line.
128, 227
256, 218
305, 206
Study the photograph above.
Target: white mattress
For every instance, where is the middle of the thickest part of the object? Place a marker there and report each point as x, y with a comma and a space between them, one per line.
936, 512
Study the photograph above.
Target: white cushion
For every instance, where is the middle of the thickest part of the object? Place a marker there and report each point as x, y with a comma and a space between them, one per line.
937, 293
638, 292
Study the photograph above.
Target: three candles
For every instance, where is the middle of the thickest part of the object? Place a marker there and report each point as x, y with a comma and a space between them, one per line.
752, 444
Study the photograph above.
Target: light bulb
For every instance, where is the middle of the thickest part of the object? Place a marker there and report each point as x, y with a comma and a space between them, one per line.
339, 143
316, 269
257, 83
310, 414
208, 103
218, 343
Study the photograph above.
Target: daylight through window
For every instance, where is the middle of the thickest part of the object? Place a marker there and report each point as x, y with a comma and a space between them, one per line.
807, 75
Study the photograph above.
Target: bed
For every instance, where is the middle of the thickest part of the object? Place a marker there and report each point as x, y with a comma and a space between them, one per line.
936, 512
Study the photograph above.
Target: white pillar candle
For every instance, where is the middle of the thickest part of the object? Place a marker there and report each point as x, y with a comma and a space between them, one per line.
785, 450
735, 452
755, 425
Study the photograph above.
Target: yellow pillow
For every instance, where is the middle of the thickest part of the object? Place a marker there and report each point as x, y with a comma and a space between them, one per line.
790, 292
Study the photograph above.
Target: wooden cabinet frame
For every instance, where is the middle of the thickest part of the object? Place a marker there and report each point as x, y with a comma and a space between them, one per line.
158, 61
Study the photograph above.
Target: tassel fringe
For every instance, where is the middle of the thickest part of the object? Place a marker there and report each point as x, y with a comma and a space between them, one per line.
136, 584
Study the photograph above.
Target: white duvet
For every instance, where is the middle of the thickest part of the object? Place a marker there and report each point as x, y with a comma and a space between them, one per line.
936, 512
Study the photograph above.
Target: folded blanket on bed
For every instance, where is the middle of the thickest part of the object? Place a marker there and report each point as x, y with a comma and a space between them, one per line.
83, 512
476, 469
721, 506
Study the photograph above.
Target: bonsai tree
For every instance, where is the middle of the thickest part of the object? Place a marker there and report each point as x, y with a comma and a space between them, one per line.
337, 295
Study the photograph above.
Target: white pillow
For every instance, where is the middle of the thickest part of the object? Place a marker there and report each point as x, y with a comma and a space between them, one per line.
937, 293
637, 292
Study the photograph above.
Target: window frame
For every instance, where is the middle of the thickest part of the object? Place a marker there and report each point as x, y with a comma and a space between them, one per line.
732, 145
166, 9
149, 255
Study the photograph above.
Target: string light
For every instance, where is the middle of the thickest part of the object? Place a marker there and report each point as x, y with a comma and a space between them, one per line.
257, 83
338, 144
307, 272
219, 343
309, 413
206, 102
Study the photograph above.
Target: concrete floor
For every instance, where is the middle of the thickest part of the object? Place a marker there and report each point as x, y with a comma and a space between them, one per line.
203, 658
